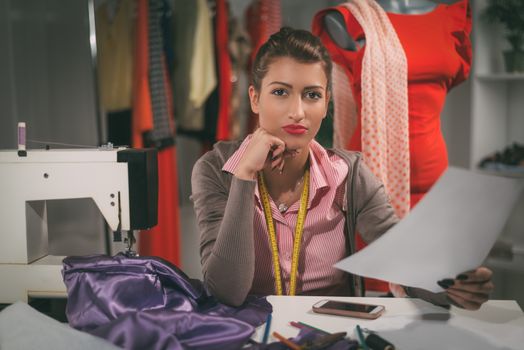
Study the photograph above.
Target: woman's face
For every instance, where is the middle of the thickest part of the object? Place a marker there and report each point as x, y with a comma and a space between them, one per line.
292, 101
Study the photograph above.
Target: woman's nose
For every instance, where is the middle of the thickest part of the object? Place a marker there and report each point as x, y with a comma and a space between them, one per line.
296, 110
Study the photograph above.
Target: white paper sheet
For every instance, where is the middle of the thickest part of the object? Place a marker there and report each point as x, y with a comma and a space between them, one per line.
450, 231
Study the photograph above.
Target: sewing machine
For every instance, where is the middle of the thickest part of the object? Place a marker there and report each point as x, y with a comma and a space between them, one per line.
122, 182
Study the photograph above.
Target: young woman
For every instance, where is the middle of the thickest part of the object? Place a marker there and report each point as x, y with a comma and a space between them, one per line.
277, 210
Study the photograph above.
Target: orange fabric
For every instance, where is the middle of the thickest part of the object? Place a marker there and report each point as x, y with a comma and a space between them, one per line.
438, 51
163, 239
225, 86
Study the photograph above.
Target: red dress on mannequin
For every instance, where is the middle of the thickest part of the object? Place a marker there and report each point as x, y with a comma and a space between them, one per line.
438, 51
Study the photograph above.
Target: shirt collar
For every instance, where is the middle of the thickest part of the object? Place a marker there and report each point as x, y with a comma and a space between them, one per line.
323, 172
317, 156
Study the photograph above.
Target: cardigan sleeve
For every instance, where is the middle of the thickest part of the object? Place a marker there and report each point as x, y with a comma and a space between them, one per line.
224, 217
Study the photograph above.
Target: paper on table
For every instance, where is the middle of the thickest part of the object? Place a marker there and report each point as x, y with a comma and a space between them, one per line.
448, 232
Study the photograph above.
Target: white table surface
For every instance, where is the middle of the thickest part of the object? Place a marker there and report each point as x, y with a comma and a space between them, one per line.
411, 323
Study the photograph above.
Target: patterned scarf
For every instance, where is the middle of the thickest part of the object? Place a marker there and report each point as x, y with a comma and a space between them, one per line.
384, 115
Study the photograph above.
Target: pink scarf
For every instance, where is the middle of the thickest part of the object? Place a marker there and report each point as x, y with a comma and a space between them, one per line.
384, 115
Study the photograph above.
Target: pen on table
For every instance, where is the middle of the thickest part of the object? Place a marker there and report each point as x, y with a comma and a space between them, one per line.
361, 339
299, 324
266, 329
286, 342
296, 325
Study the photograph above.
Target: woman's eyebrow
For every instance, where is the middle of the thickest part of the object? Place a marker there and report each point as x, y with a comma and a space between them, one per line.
291, 86
314, 87
280, 83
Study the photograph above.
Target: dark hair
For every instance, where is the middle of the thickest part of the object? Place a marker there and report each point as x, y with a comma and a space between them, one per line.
298, 44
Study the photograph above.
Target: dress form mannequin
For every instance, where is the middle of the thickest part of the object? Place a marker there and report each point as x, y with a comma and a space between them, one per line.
435, 38
335, 26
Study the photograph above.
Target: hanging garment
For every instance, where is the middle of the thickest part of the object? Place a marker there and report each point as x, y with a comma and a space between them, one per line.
148, 303
202, 66
114, 40
153, 126
239, 50
194, 63
263, 18
224, 69
438, 52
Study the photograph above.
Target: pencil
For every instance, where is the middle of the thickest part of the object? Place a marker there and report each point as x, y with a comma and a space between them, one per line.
286, 342
296, 325
266, 329
361, 339
313, 327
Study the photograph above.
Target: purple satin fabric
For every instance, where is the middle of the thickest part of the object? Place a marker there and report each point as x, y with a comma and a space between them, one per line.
148, 303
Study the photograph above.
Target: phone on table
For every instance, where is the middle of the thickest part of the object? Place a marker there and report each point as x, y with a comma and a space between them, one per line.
343, 308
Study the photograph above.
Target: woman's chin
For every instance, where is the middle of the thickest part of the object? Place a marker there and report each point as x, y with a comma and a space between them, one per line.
296, 143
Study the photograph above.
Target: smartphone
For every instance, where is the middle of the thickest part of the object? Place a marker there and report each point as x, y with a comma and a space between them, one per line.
343, 308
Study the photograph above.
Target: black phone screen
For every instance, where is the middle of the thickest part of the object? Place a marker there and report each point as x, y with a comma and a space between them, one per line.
348, 306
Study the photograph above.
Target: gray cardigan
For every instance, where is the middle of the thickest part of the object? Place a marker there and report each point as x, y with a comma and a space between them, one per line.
224, 208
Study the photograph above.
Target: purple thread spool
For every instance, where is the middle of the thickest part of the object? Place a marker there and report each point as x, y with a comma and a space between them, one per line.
21, 140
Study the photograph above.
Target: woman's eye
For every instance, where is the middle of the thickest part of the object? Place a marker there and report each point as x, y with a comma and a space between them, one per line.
313, 95
279, 92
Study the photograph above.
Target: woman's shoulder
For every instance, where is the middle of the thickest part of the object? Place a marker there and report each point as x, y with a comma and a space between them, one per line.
221, 152
349, 156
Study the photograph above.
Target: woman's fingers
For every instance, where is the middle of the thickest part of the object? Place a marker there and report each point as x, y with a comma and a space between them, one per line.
468, 300
485, 287
263, 149
277, 148
281, 168
480, 274
463, 301
276, 161
474, 281
469, 289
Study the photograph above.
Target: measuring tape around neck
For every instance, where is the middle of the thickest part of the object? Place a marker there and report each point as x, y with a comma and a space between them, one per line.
302, 211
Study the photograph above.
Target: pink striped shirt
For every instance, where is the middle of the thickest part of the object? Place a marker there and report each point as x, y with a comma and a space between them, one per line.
323, 240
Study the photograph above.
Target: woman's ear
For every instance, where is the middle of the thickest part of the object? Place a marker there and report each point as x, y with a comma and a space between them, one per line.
253, 99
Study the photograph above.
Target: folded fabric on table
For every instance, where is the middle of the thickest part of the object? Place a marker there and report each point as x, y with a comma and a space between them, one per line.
22, 327
146, 302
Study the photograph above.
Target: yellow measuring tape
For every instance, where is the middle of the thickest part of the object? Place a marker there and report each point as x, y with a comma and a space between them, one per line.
302, 211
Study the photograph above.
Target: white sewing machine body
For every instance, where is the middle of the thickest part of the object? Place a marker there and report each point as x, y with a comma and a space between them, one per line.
122, 182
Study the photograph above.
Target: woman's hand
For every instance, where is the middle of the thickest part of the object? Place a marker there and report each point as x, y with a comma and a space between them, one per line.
469, 290
262, 149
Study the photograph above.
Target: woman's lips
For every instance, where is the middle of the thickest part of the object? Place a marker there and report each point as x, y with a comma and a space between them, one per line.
295, 129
